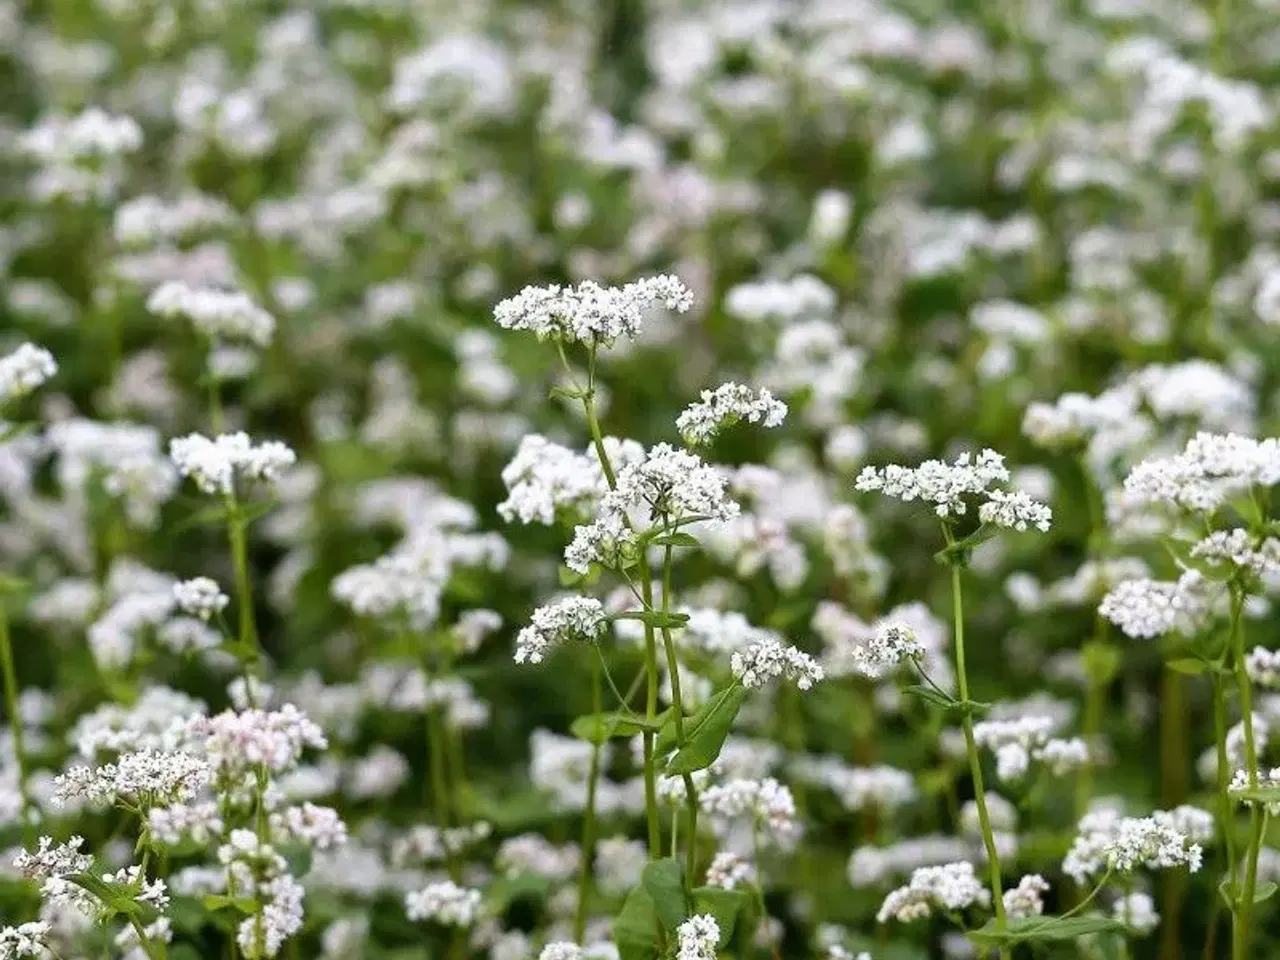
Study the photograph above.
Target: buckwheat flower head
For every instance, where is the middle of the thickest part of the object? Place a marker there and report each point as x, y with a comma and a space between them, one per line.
945, 485
568, 620
1105, 840
561, 950
591, 313
1015, 510
237, 742
320, 828
730, 871
1146, 608
768, 659
890, 644
1240, 549
1137, 911
216, 464
200, 596
1211, 469
172, 824
1027, 898
26, 940
1014, 742
53, 860
544, 478
444, 903
1264, 667
24, 370
218, 314
698, 937
146, 778
532, 853
950, 887
726, 405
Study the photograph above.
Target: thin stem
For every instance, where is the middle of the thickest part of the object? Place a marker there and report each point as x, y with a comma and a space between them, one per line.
589, 819
650, 713
11, 707
1244, 903
975, 763
677, 702
244, 590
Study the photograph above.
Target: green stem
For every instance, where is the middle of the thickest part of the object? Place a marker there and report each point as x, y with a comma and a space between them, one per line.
11, 707
589, 819
650, 713
975, 763
1244, 905
677, 702
244, 590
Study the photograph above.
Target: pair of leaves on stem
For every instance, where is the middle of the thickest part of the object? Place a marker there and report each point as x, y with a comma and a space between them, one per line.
995, 935
661, 901
705, 730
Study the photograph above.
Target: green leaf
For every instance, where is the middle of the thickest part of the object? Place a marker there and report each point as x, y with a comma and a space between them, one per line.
664, 880
1101, 661
706, 734
598, 727
953, 707
566, 393
571, 578
114, 899
656, 618
183, 951
1257, 795
677, 539
957, 554
1191, 666
1042, 930
1265, 892
724, 905
1261, 893
9, 584
635, 929
220, 901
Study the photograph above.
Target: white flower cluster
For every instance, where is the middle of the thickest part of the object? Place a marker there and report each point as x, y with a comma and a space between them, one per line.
766, 803
591, 313
404, 583
946, 485
218, 314
215, 464
726, 405
698, 938
668, 482
1105, 840
1264, 667
532, 853
1078, 417
1239, 548
237, 742
143, 779
951, 887
444, 903
1017, 742
1016, 511
891, 643
768, 658
729, 871
1265, 780
201, 597
146, 220
568, 620
53, 860
26, 940
1211, 469
172, 824
1146, 608
544, 478
1027, 898
24, 370
858, 788
320, 828
255, 869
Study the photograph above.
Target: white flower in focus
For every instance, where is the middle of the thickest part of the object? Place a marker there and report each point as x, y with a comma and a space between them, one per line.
1016, 511
945, 485
891, 643
143, 779
950, 887
568, 620
1146, 608
729, 871
52, 860
698, 938
24, 370
26, 940
215, 464
768, 658
591, 313
729, 403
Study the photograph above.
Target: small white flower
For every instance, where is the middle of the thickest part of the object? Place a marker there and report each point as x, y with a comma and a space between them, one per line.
24, 370
1137, 911
215, 464
568, 620
698, 937
726, 405
950, 887
201, 597
1027, 898
768, 659
444, 903
591, 313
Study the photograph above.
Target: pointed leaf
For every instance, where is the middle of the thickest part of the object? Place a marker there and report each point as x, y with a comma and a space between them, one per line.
656, 618
664, 880
635, 929
1191, 666
724, 905
1042, 930
706, 735
677, 539
598, 727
